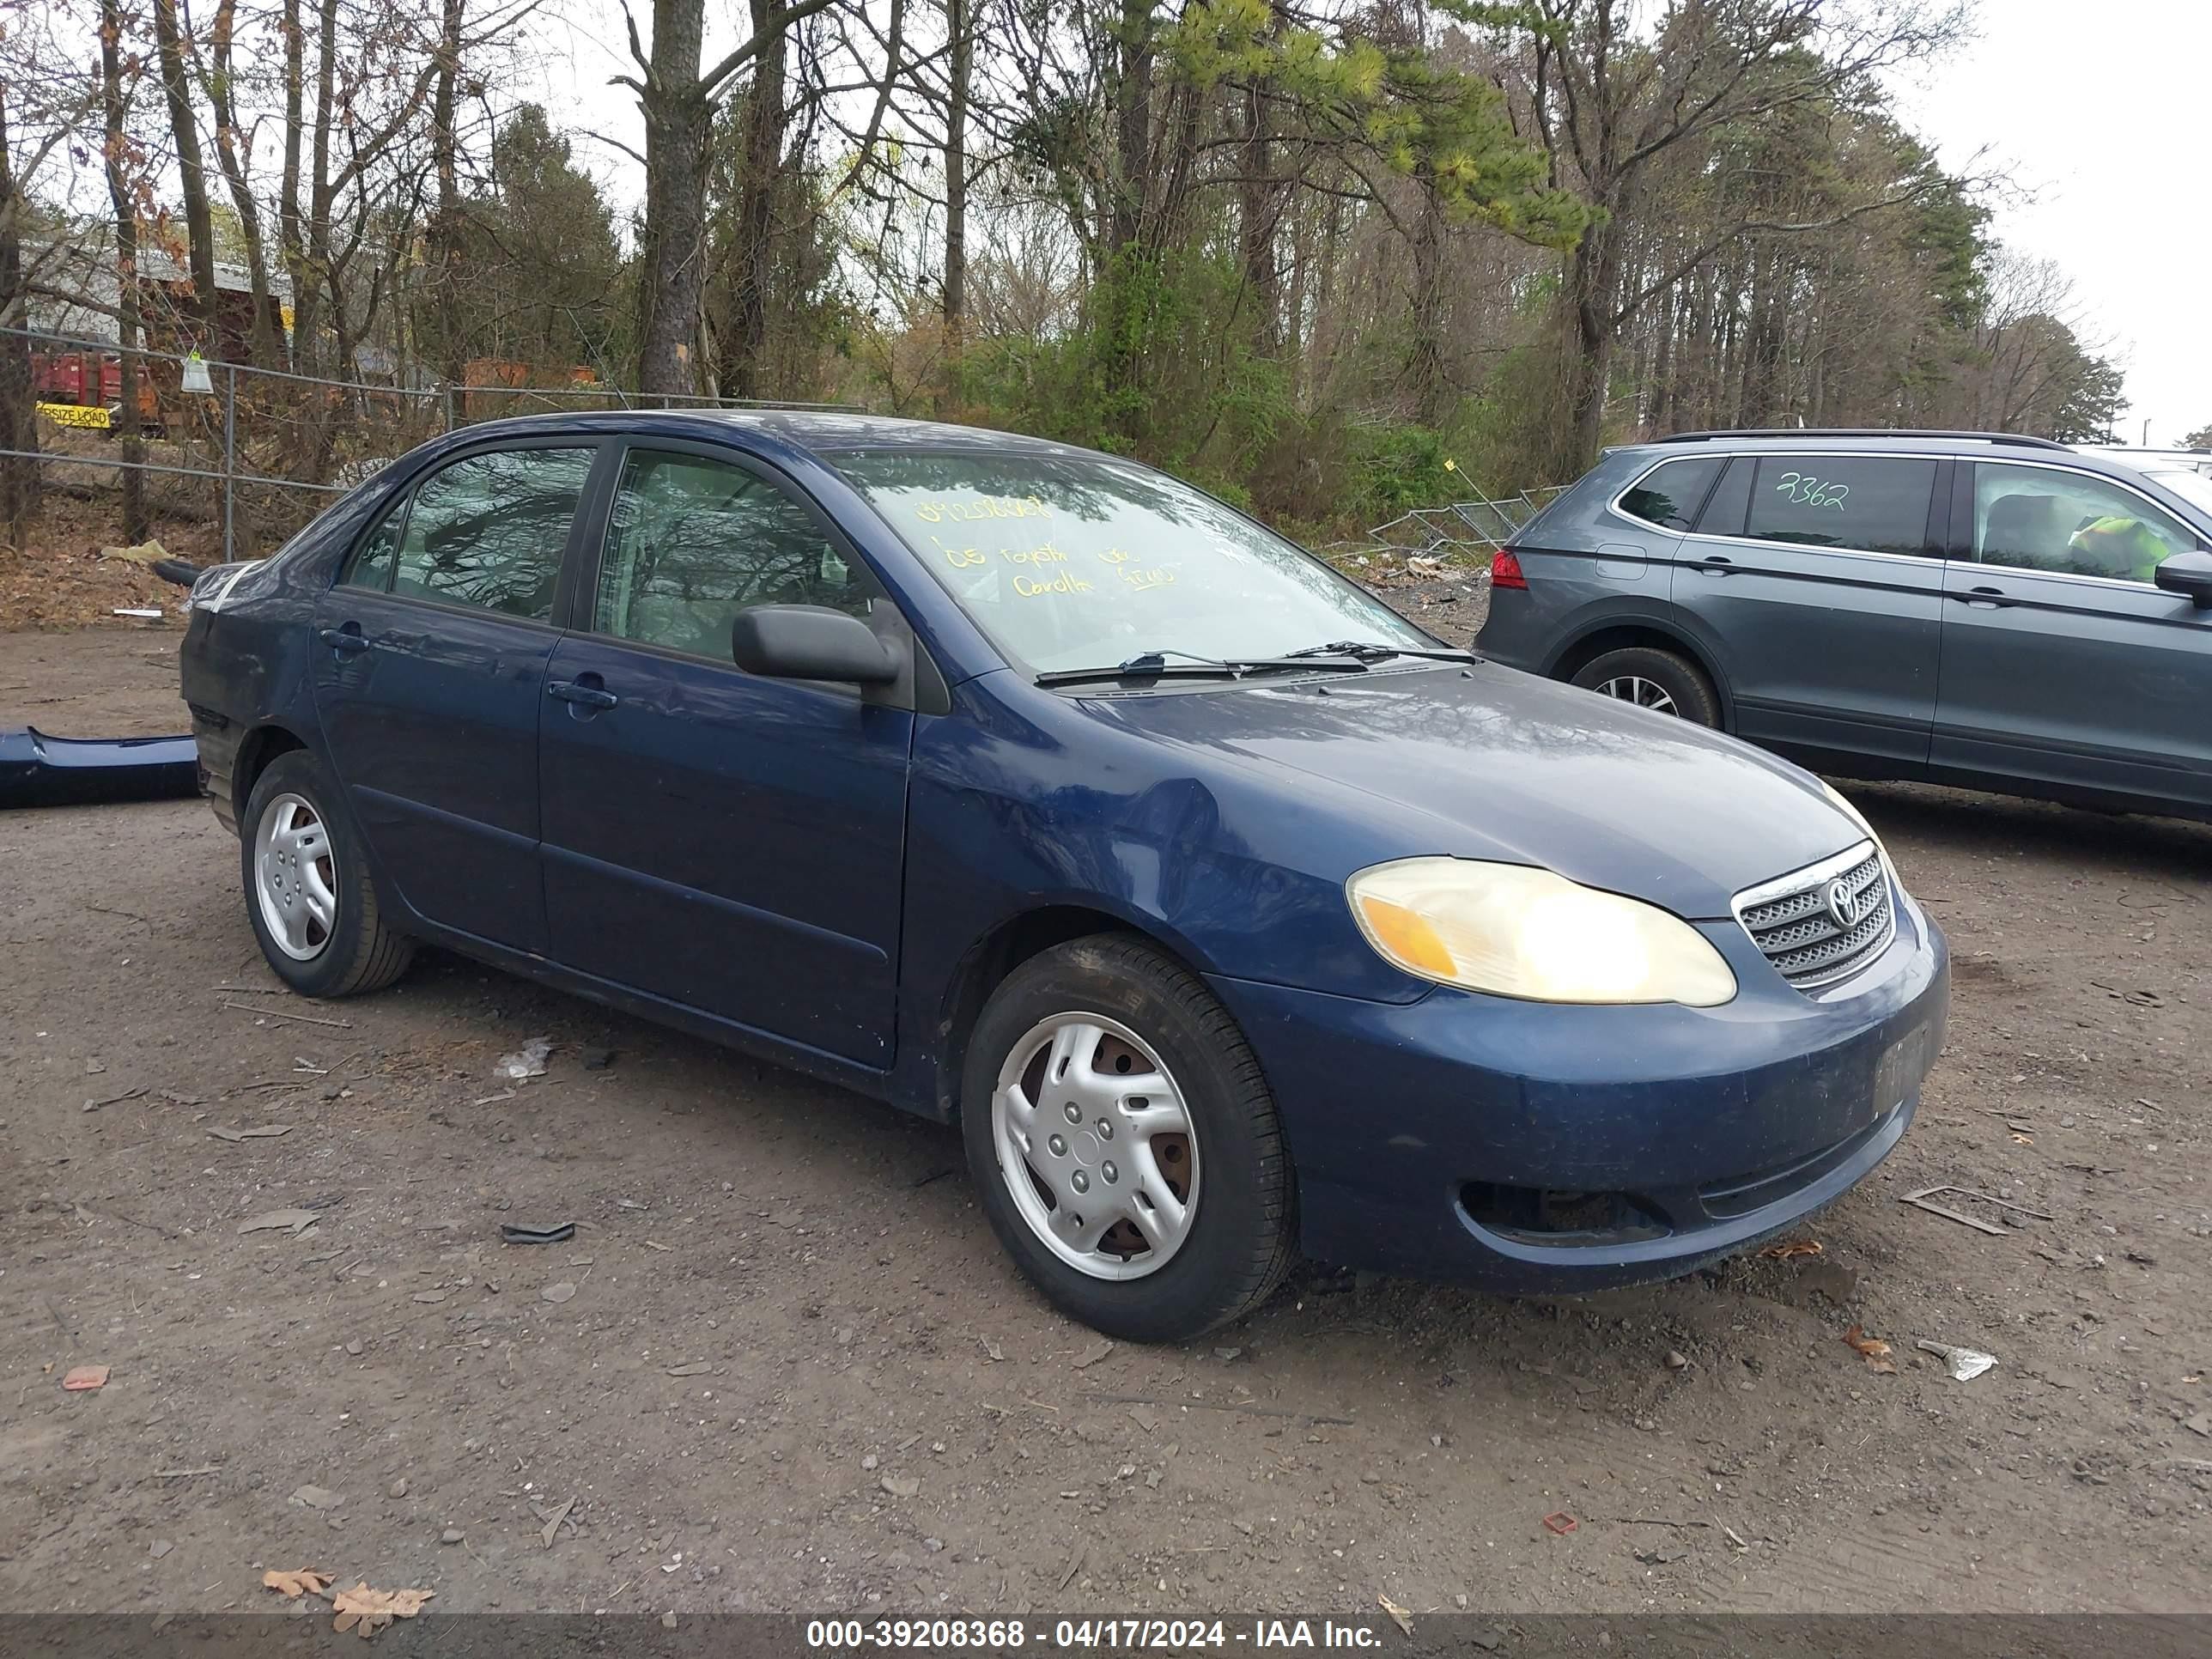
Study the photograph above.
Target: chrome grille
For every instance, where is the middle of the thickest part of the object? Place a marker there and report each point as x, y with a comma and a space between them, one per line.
1818, 924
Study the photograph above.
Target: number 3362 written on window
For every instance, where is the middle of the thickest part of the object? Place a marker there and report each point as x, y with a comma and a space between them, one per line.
1805, 487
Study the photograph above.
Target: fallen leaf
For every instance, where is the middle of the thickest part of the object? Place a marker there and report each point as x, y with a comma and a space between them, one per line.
85, 1378
1873, 1350
1399, 1615
369, 1611
1794, 1247
301, 1581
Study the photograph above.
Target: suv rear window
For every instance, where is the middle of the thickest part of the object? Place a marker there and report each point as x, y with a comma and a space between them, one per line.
1875, 502
1670, 493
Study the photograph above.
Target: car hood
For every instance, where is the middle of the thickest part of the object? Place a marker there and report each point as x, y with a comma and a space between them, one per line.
1492, 764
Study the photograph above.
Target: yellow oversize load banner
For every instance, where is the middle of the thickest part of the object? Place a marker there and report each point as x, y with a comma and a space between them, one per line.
75, 415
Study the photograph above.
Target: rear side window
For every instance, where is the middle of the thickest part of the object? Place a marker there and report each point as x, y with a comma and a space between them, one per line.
1878, 504
490, 531
1670, 495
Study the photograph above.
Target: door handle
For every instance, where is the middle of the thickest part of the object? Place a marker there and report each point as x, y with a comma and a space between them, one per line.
1984, 598
1716, 564
344, 640
576, 691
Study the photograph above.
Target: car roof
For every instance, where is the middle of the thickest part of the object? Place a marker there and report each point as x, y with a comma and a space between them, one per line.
811, 427
1930, 442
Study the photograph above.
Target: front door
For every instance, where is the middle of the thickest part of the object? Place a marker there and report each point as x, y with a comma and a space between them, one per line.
1818, 583
728, 843
429, 657
2062, 662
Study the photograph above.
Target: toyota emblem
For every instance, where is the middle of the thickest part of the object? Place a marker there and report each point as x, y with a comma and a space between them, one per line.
1841, 907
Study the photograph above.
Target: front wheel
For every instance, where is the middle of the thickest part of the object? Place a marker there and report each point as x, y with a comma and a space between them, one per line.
1124, 1144
1651, 678
308, 893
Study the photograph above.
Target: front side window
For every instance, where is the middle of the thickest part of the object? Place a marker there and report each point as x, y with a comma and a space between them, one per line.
490, 531
692, 542
2039, 517
1075, 562
1670, 493
371, 561
1875, 503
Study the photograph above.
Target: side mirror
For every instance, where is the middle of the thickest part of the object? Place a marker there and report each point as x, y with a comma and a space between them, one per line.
813, 642
2190, 574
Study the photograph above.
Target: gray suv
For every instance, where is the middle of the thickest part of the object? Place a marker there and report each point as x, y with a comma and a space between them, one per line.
2004, 613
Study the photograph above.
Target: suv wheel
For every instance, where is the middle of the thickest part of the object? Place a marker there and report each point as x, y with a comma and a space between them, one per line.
1651, 678
1124, 1143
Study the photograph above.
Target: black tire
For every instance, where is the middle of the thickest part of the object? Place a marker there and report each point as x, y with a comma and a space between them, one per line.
1686, 689
1242, 1234
357, 953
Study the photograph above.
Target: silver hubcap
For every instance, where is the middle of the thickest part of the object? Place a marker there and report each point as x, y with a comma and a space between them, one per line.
296, 876
1644, 694
1095, 1146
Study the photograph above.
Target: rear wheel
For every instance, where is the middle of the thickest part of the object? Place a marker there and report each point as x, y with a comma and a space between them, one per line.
308, 893
1652, 678
1124, 1144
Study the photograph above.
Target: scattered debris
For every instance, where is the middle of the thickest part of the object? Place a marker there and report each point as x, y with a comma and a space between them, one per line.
527, 1061
1921, 1200
318, 1497
369, 1611
259, 1131
283, 1013
995, 1353
560, 1293
451, 1535
115, 1100
1092, 1355
1661, 1555
552, 1528
1560, 1522
1964, 1364
296, 1221
1074, 1564
596, 1060
2200, 1423
1873, 1350
159, 1547
86, 1378
528, 1233
144, 613
1734, 1538
301, 1581
901, 1485
1677, 1360
695, 1368
1398, 1616
144, 552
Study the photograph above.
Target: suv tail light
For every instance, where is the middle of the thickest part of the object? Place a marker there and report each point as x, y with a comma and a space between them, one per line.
1506, 570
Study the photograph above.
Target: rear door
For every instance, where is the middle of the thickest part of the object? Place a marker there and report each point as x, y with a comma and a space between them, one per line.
1816, 581
430, 655
2062, 662
729, 842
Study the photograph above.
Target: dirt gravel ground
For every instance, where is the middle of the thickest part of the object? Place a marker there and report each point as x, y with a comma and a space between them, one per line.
782, 1364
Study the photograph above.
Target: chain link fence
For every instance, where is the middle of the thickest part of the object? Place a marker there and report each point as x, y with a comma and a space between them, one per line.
254, 452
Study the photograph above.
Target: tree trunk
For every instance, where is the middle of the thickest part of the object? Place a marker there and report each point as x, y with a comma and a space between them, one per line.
1260, 208
961, 71
672, 277
121, 197
760, 181
192, 171
1432, 396
292, 244
263, 343
1593, 297
446, 229
19, 422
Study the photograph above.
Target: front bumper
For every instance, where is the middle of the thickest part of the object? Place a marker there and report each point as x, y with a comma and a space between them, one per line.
1535, 1148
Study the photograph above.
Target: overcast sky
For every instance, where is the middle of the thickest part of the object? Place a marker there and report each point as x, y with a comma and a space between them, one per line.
2101, 112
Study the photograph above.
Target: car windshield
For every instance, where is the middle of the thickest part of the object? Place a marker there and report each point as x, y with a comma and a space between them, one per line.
2192, 487
1073, 562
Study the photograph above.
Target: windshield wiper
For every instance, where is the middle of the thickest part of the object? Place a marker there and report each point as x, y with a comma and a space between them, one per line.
1154, 664
1375, 650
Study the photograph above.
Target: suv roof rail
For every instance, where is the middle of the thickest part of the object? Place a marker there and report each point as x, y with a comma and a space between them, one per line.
1859, 432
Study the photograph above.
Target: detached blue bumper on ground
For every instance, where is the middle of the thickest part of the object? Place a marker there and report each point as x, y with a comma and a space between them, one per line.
1535, 1148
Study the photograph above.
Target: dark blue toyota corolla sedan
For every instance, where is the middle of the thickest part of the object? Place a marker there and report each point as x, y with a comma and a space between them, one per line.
1228, 914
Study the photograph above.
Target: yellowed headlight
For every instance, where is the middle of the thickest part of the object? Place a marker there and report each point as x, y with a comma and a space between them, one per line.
1515, 931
